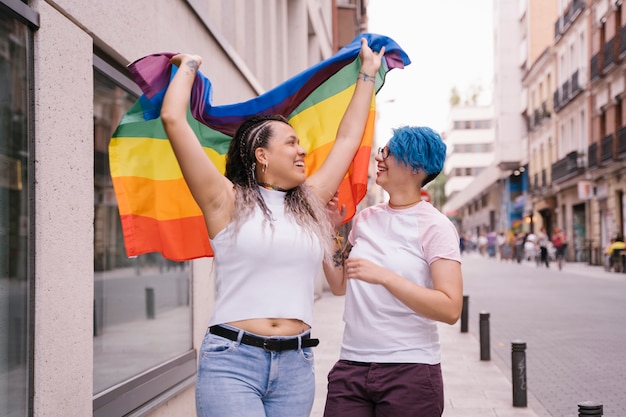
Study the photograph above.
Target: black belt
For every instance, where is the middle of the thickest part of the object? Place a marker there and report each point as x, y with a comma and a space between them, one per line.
267, 343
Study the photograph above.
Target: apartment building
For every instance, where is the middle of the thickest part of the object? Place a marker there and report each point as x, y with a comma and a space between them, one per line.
571, 106
606, 146
84, 330
571, 150
470, 152
539, 82
576, 161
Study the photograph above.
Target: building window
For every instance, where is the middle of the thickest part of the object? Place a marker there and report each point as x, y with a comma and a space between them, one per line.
16, 244
142, 310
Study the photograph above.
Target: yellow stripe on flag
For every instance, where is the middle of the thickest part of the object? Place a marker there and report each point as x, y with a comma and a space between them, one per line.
145, 152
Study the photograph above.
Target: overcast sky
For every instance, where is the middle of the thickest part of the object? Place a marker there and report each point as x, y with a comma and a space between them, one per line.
450, 43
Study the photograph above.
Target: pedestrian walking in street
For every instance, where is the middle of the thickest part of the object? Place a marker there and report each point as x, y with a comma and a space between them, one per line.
543, 242
613, 254
269, 231
402, 276
559, 240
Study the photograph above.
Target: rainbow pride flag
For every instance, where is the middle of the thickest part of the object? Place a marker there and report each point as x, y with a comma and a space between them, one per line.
157, 211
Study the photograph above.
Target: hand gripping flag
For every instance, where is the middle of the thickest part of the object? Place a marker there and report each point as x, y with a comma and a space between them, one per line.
157, 211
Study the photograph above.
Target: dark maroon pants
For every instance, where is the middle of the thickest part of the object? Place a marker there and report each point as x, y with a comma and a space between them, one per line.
358, 389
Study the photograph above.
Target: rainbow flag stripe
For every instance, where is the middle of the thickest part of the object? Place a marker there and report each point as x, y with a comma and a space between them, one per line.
157, 211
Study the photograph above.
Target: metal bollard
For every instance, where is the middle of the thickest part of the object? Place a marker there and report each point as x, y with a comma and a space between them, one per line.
464, 313
485, 352
518, 368
150, 303
589, 408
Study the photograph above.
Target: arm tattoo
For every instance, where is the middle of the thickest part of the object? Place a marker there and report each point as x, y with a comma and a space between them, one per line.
341, 254
193, 66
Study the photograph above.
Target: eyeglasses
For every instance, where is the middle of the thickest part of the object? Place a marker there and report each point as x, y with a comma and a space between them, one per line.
383, 152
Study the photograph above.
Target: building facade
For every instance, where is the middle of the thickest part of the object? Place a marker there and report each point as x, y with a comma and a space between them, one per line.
470, 145
571, 106
539, 81
84, 330
606, 148
571, 157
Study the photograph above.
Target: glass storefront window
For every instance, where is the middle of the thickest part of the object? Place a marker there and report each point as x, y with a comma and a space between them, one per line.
142, 309
15, 216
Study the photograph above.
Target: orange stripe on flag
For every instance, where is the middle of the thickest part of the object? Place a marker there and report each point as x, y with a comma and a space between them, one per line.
160, 200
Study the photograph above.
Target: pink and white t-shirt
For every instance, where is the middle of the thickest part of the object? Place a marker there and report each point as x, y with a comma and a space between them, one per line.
379, 327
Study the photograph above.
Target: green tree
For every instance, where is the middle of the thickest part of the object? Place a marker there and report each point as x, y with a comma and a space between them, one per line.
473, 93
436, 189
455, 97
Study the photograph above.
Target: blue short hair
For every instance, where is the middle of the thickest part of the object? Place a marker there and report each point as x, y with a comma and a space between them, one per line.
420, 148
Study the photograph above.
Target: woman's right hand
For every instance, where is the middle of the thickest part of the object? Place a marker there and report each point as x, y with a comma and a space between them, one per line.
370, 60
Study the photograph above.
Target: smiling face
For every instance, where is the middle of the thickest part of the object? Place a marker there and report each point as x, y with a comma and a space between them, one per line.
281, 162
391, 172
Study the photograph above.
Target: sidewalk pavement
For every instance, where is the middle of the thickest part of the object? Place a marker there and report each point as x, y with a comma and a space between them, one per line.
473, 388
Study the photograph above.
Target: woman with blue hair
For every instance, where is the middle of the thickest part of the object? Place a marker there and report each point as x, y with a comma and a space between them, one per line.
401, 273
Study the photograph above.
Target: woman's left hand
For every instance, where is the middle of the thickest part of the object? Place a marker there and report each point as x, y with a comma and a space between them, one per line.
364, 270
335, 214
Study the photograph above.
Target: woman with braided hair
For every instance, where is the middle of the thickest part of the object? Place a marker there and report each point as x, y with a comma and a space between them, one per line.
269, 230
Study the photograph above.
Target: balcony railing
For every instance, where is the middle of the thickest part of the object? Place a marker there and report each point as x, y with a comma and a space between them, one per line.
555, 99
621, 142
606, 148
592, 155
608, 51
569, 15
565, 168
557, 28
575, 86
568, 91
595, 66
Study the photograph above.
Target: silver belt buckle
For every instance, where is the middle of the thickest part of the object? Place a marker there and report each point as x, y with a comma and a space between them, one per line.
268, 342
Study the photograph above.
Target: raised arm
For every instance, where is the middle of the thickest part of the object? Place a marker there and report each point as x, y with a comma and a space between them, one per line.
211, 190
325, 181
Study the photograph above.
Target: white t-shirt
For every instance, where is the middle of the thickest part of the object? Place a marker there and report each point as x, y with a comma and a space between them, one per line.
262, 273
379, 327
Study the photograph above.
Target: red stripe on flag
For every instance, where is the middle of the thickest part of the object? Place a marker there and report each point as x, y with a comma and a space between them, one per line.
144, 235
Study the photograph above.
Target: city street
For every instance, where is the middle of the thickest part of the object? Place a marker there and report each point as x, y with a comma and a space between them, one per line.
571, 320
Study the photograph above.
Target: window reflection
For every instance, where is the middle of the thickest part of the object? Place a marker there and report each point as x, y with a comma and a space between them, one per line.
142, 312
15, 216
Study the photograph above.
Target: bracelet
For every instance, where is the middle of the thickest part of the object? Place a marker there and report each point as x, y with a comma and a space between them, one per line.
365, 77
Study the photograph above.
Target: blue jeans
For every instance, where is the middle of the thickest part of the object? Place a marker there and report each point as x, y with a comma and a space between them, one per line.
240, 380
